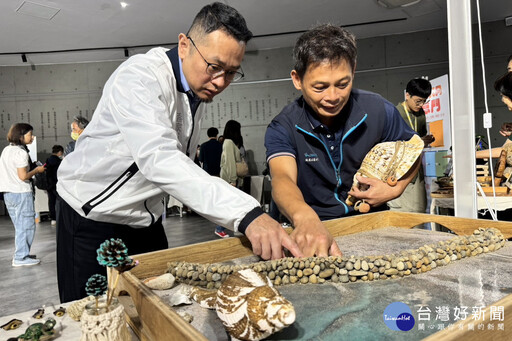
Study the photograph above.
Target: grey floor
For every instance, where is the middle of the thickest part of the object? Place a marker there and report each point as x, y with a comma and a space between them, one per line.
29, 288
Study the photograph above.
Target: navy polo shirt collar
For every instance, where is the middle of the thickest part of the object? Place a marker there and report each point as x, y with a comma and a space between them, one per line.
352, 109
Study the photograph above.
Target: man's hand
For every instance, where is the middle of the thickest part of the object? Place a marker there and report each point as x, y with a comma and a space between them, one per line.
428, 139
268, 238
314, 239
506, 129
378, 193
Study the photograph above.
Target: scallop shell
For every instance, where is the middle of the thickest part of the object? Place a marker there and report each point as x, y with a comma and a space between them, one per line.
248, 305
388, 161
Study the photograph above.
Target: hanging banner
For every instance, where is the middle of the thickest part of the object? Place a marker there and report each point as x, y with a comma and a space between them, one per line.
437, 113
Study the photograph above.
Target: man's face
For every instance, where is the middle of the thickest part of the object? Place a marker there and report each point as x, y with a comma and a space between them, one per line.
75, 128
326, 87
509, 66
414, 102
217, 48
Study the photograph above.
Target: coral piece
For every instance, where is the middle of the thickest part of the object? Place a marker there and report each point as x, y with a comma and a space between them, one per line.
76, 309
96, 285
386, 161
162, 282
249, 307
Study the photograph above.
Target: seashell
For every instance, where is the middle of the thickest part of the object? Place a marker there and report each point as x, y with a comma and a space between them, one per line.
38, 314
249, 307
60, 312
386, 161
182, 296
12, 324
162, 282
187, 317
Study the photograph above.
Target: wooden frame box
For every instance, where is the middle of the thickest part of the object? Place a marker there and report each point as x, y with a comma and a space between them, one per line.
153, 320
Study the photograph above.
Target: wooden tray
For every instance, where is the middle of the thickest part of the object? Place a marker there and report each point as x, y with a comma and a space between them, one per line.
153, 320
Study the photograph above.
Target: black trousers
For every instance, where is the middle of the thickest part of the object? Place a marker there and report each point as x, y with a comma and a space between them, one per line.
52, 199
78, 238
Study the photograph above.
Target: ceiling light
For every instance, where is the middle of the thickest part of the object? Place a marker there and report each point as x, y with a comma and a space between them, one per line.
23, 58
126, 54
397, 3
123, 4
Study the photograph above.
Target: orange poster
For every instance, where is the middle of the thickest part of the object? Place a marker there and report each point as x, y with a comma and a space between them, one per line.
436, 129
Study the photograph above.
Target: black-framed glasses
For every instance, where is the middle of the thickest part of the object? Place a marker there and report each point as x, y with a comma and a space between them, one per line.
215, 70
421, 101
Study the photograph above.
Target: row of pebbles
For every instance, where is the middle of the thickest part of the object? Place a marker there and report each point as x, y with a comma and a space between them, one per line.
344, 270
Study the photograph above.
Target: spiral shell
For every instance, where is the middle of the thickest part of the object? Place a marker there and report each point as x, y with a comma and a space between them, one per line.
248, 305
388, 161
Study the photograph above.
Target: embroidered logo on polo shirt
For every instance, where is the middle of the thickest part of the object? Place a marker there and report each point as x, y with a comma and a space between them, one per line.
310, 157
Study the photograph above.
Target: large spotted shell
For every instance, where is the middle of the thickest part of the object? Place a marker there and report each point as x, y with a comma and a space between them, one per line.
388, 161
249, 307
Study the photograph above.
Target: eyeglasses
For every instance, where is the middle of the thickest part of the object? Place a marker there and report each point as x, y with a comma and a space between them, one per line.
421, 101
216, 70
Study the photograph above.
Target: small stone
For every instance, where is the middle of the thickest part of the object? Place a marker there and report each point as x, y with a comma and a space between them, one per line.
162, 282
364, 265
326, 273
316, 269
391, 272
357, 265
357, 273
344, 279
308, 272
313, 279
400, 266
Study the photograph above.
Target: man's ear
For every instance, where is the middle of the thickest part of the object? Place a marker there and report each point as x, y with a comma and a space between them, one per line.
183, 45
407, 95
297, 82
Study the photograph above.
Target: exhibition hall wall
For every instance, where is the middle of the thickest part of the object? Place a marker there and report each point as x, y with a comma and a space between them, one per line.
49, 96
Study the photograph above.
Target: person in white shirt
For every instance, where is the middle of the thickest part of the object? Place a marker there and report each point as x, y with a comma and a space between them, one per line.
18, 191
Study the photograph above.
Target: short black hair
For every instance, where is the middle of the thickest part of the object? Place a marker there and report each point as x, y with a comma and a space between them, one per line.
57, 148
17, 131
509, 59
219, 16
81, 121
325, 42
419, 87
212, 132
504, 85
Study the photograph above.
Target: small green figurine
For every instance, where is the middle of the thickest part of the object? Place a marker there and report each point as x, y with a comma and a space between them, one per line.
39, 331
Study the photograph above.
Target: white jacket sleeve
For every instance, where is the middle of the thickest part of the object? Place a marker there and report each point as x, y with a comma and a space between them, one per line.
145, 113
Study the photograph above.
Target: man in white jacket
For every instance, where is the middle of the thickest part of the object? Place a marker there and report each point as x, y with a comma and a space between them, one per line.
139, 147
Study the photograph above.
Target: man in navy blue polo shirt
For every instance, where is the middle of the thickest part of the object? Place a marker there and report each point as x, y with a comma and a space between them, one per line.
317, 143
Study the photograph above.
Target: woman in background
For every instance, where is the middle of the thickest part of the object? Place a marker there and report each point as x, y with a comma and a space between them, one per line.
233, 141
15, 167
